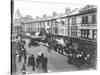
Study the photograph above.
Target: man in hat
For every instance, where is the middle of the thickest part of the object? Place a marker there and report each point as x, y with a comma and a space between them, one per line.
29, 62
23, 69
39, 58
33, 62
37, 61
44, 64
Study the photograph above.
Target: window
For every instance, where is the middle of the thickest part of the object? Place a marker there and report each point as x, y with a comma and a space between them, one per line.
82, 20
40, 23
82, 33
62, 31
44, 24
52, 23
93, 19
55, 23
74, 32
73, 21
48, 23
85, 20
37, 29
62, 22
56, 31
94, 35
68, 21
35, 24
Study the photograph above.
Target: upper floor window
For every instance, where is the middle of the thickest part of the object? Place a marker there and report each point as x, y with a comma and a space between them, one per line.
52, 23
85, 20
44, 24
35, 24
93, 19
68, 21
56, 23
62, 22
40, 23
48, 23
62, 31
73, 21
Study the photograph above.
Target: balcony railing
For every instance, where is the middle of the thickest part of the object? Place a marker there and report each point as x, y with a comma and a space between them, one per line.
88, 25
74, 27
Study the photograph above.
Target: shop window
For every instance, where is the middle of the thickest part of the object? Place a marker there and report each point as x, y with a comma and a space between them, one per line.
94, 34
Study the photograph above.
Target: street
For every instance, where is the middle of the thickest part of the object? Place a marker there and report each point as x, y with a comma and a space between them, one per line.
56, 61
57, 41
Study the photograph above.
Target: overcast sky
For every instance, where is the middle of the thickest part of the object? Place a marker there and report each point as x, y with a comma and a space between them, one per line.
38, 9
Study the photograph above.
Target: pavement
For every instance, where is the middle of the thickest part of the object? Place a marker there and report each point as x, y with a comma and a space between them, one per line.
56, 61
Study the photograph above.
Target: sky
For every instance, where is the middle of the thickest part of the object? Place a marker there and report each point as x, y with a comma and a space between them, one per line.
39, 8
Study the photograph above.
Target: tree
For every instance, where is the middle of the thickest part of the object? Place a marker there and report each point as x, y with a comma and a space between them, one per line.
29, 17
37, 17
54, 14
44, 16
67, 10
61, 14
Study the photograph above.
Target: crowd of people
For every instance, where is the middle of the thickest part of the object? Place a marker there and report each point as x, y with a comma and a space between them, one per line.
40, 62
22, 53
79, 57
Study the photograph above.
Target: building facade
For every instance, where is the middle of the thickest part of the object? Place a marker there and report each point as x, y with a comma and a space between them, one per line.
88, 26
79, 23
50, 25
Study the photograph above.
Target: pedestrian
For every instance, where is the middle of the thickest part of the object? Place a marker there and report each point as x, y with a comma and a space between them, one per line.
44, 64
41, 58
23, 69
25, 58
37, 61
29, 62
29, 44
33, 62
24, 53
19, 58
42, 55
